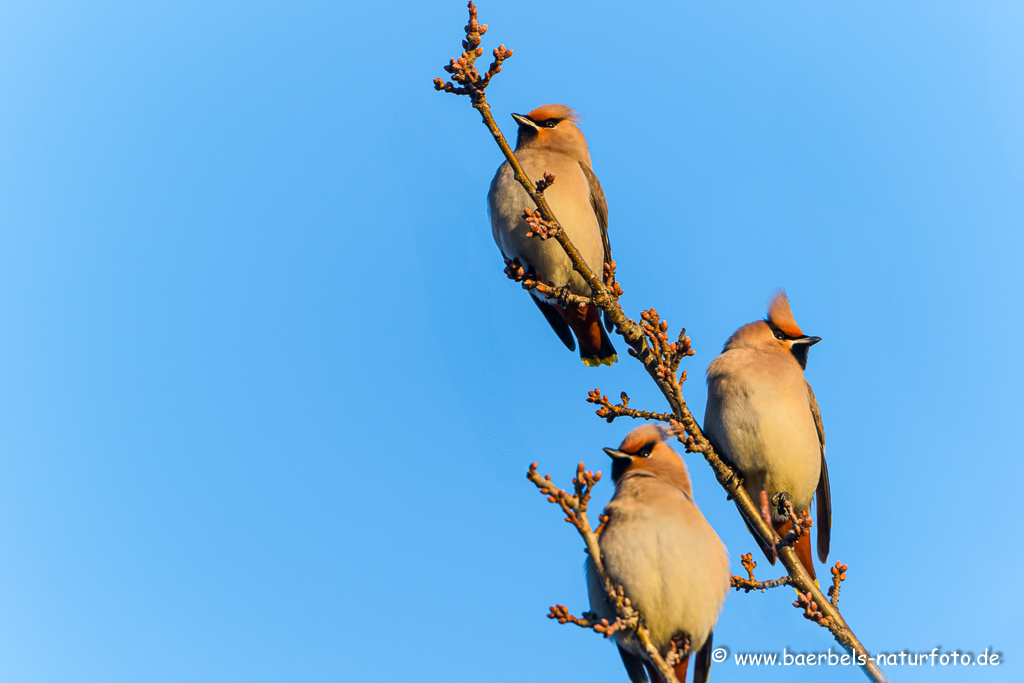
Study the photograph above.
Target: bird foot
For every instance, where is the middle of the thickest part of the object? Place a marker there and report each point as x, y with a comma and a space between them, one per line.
782, 505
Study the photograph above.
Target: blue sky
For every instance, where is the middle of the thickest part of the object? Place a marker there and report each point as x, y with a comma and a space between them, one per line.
267, 400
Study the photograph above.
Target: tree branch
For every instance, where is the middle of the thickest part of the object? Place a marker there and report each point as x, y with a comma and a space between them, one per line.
609, 411
648, 342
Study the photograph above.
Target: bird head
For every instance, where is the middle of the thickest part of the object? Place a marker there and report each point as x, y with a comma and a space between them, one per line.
778, 331
645, 453
552, 127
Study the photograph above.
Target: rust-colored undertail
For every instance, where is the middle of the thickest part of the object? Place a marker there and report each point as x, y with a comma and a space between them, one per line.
595, 346
802, 546
680, 669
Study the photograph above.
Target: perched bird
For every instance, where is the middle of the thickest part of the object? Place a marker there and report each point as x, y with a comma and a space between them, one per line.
550, 142
657, 545
762, 416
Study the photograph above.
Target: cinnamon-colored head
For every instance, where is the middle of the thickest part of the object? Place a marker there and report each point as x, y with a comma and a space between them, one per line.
552, 127
778, 332
644, 451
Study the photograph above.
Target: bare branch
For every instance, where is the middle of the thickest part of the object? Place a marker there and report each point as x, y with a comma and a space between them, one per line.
752, 584
648, 342
590, 620
610, 412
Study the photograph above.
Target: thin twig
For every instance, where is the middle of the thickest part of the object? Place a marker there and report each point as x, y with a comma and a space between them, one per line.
610, 411
752, 584
563, 295
838, 576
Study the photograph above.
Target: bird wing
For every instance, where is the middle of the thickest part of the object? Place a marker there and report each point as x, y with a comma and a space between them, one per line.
600, 204
557, 323
766, 548
702, 662
823, 493
634, 666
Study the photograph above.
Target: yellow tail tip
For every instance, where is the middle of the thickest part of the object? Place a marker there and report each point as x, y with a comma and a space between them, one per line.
598, 362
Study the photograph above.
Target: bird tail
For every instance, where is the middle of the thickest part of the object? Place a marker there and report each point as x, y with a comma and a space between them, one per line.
634, 666
802, 547
702, 662
679, 670
595, 346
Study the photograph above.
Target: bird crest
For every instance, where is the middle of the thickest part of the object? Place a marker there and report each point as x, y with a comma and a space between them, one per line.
780, 315
553, 111
645, 435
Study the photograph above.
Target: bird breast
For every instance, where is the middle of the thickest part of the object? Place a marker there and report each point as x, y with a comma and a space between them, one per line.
759, 415
569, 199
670, 562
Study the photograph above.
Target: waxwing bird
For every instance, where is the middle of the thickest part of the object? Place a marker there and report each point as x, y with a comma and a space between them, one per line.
762, 417
550, 142
657, 545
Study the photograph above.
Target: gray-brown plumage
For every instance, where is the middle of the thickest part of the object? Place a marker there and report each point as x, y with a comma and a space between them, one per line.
762, 416
657, 545
550, 142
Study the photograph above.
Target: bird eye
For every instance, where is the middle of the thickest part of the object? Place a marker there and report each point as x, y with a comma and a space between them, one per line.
550, 123
779, 335
645, 452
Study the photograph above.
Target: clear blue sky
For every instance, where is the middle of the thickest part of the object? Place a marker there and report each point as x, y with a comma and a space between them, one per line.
267, 400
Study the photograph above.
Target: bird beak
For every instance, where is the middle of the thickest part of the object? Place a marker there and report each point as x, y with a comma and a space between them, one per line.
616, 454
807, 341
524, 122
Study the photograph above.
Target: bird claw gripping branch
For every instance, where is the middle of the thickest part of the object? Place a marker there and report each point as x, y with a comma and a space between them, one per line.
680, 649
802, 522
